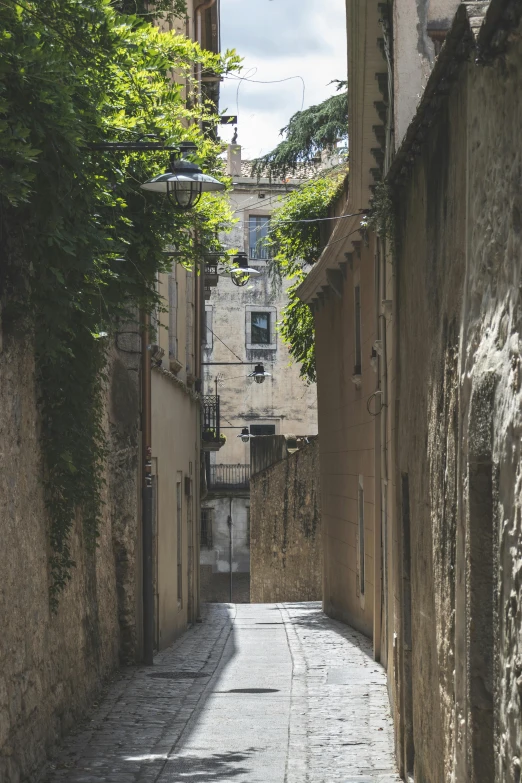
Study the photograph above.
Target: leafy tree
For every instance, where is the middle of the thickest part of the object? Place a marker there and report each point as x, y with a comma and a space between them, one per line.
308, 133
81, 244
296, 240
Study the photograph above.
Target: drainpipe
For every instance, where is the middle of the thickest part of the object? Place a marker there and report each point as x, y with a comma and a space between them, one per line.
229, 522
199, 10
146, 490
199, 18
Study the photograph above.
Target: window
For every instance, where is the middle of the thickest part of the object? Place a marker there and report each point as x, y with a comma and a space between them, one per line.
260, 328
262, 429
207, 519
189, 321
360, 504
179, 530
257, 236
357, 330
173, 314
207, 328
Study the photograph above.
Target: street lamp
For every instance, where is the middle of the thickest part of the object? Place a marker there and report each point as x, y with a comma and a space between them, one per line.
184, 183
242, 273
259, 374
245, 435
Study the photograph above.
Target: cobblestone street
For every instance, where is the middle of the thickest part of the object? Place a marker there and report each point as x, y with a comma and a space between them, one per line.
258, 693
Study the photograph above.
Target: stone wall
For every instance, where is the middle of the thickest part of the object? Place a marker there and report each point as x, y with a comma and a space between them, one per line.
286, 552
215, 587
459, 267
53, 666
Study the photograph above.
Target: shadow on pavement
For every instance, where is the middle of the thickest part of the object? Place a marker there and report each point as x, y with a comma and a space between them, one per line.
218, 766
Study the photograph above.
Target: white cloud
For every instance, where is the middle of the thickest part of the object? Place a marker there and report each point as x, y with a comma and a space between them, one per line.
280, 38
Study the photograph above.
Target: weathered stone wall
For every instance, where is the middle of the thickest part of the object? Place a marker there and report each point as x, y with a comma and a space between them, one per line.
52, 666
286, 552
459, 272
215, 587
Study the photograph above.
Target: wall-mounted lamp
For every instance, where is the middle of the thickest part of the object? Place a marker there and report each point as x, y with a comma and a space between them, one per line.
259, 374
242, 273
245, 435
185, 182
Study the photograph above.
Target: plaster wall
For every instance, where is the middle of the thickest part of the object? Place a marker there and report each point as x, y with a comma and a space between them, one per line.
176, 456
175, 431
283, 400
459, 271
286, 536
236, 507
347, 445
414, 52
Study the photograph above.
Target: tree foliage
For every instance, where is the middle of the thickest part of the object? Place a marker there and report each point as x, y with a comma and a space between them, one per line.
296, 244
164, 9
307, 134
81, 244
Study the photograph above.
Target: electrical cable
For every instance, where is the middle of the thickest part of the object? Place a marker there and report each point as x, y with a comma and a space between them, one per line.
309, 220
224, 343
262, 81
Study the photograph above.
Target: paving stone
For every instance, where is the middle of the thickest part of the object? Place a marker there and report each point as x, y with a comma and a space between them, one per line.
280, 693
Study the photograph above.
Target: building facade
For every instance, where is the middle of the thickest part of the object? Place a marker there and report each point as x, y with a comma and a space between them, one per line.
241, 331
419, 443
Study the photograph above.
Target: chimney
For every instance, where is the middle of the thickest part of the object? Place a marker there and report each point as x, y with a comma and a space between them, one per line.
234, 160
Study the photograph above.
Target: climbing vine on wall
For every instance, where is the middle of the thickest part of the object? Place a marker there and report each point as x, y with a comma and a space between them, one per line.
81, 244
296, 245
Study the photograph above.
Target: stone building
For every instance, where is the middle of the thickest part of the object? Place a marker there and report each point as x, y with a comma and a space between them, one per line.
241, 327
420, 439
286, 548
54, 665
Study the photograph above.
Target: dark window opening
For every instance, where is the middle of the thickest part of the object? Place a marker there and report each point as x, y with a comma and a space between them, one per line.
179, 530
207, 517
262, 429
260, 328
357, 316
361, 538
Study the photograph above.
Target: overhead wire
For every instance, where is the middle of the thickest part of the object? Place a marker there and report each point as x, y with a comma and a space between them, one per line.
224, 343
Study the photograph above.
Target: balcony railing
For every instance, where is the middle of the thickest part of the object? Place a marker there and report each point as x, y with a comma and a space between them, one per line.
228, 477
260, 252
211, 437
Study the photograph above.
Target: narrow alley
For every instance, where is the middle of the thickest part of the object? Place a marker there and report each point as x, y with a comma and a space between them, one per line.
259, 693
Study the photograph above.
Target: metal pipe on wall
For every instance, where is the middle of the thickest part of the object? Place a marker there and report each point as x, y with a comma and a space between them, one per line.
146, 489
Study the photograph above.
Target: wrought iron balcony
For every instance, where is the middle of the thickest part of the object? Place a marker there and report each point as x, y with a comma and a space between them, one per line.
211, 273
259, 252
211, 437
228, 477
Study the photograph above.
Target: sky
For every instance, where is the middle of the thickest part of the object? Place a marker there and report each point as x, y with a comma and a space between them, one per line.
279, 39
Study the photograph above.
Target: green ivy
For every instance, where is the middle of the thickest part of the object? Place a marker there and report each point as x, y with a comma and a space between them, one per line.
81, 243
381, 213
296, 245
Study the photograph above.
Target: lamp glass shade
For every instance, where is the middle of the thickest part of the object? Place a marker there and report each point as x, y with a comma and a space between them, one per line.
242, 273
259, 373
184, 184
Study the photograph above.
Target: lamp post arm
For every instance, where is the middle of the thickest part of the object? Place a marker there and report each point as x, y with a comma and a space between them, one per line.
221, 364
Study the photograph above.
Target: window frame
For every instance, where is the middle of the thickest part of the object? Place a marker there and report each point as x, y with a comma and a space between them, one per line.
255, 216
272, 312
357, 358
361, 536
